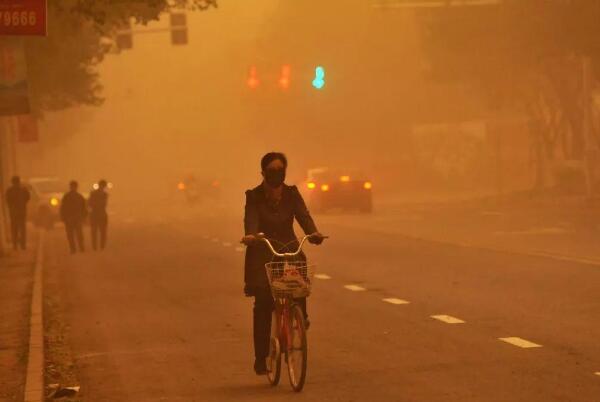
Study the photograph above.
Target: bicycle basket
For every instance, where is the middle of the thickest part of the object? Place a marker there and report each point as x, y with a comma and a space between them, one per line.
290, 278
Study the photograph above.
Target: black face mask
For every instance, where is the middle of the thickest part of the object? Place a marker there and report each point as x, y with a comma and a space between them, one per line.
274, 177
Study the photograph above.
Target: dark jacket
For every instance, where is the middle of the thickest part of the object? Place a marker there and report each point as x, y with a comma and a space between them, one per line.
97, 202
277, 223
72, 207
17, 198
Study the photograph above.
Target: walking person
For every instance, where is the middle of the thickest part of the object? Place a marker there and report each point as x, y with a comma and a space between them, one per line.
73, 212
98, 216
271, 208
17, 198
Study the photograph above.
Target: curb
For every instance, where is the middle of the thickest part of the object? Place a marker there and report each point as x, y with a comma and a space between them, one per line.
34, 382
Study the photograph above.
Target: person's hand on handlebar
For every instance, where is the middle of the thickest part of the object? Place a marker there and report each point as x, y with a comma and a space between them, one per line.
249, 240
316, 238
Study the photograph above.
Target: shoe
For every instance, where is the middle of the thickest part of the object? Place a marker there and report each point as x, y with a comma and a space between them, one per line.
260, 366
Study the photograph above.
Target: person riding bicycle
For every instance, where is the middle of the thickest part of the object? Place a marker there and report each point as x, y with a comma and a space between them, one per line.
270, 209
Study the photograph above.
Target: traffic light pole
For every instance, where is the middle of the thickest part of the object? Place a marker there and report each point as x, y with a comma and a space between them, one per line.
177, 28
431, 3
150, 31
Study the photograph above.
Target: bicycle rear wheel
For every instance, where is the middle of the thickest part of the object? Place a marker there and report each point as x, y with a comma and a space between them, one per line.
297, 349
274, 358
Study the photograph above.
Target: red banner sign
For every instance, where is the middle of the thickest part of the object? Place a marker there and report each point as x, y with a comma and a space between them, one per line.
14, 89
23, 17
27, 128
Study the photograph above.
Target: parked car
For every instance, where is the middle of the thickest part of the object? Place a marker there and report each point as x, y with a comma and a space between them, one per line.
46, 195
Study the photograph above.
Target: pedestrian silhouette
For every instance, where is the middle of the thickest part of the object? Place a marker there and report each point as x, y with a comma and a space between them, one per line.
73, 212
17, 198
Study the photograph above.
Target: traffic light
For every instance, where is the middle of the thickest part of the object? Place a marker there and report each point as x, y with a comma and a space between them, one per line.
179, 34
284, 79
124, 39
319, 81
252, 81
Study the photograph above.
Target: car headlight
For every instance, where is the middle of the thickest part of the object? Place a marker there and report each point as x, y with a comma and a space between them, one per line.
325, 187
54, 201
367, 185
311, 186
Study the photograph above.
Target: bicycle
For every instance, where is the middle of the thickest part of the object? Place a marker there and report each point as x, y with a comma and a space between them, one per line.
290, 279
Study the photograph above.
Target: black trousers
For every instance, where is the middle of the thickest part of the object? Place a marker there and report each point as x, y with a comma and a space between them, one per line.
263, 310
74, 233
18, 231
99, 225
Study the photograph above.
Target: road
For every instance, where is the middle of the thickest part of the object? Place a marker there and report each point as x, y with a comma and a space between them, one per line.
160, 316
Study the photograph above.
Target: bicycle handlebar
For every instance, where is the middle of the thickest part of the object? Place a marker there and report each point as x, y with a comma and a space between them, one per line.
261, 236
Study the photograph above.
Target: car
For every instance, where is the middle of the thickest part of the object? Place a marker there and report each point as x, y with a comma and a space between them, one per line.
196, 190
46, 195
338, 189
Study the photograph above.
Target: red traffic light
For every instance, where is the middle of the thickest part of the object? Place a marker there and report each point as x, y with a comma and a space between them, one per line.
252, 81
284, 79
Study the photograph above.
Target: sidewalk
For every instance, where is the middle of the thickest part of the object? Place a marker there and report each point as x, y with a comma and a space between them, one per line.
16, 280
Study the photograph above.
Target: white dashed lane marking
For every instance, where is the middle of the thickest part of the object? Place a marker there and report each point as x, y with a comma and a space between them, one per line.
322, 276
205, 237
393, 300
448, 319
239, 249
597, 373
355, 288
226, 244
520, 342
215, 240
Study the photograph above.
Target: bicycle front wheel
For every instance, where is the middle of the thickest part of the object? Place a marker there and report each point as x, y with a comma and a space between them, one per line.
274, 358
297, 349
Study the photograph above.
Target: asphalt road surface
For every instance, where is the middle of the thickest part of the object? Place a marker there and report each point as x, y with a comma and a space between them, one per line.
160, 316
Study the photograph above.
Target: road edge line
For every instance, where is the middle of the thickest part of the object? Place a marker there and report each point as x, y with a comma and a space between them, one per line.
34, 381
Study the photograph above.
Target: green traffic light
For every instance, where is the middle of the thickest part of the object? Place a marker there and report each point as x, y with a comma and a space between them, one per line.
319, 81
